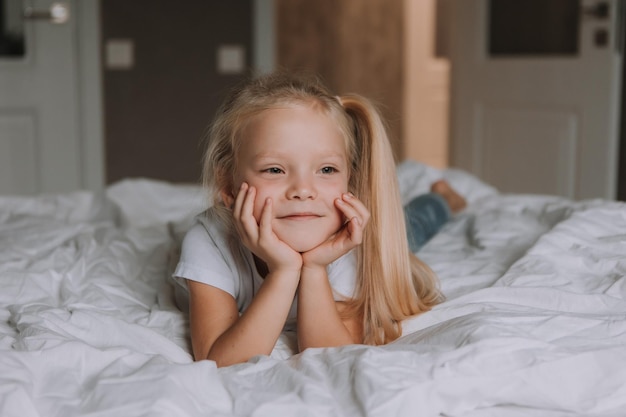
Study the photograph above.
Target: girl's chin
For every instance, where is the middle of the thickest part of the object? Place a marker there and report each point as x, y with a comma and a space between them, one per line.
304, 245
303, 239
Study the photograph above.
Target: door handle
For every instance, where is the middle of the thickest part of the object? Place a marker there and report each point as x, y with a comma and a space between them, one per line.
58, 13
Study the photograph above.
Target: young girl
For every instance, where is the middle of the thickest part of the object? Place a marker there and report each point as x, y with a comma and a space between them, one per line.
306, 230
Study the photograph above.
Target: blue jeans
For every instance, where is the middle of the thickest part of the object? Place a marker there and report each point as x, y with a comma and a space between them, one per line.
425, 215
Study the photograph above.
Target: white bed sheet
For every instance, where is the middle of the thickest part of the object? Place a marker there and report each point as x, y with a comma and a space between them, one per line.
534, 323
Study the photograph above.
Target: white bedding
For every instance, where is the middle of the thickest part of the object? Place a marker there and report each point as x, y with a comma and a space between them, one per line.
534, 323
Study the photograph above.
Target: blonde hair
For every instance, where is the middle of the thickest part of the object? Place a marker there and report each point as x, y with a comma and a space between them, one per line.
392, 283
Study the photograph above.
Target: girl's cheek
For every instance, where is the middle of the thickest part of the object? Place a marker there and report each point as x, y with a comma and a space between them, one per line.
257, 213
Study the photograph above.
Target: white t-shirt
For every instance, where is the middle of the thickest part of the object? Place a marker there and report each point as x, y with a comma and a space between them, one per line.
210, 256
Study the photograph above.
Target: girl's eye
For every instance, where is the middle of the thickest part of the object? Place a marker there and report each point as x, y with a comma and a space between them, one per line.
273, 170
328, 170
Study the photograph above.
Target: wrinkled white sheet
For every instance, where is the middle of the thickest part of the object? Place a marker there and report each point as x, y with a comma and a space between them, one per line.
534, 323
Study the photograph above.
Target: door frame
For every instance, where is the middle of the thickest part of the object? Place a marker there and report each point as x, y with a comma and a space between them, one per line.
91, 116
621, 160
264, 36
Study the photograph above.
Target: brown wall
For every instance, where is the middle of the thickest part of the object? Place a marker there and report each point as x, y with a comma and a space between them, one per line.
157, 111
355, 45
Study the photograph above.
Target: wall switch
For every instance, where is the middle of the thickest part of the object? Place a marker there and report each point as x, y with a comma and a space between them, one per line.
231, 59
120, 54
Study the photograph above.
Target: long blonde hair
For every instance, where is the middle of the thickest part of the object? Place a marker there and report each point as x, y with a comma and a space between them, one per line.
392, 283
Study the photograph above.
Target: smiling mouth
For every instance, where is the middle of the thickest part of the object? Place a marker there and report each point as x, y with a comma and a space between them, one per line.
300, 216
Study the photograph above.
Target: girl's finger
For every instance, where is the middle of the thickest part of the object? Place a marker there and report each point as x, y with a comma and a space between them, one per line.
355, 227
265, 223
247, 213
247, 207
357, 205
349, 211
241, 194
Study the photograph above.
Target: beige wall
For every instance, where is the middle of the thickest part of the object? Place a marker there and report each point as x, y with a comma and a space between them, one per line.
355, 45
426, 83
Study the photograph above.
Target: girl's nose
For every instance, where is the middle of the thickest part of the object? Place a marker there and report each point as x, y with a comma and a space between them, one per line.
301, 188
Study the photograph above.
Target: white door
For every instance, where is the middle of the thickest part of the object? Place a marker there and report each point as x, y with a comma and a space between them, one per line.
537, 117
43, 145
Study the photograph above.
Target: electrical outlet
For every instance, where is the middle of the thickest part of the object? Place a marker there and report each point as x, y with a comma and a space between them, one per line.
231, 59
120, 54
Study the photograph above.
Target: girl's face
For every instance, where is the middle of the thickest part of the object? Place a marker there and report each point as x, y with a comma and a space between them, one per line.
297, 157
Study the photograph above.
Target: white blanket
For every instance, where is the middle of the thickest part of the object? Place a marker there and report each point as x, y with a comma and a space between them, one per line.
534, 323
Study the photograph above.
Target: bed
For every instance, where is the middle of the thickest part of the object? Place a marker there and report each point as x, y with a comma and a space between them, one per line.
534, 322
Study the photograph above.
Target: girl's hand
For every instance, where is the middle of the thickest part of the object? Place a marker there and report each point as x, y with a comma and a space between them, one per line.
347, 238
260, 237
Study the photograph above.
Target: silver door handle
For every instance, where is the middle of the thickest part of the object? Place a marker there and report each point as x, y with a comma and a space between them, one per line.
58, 13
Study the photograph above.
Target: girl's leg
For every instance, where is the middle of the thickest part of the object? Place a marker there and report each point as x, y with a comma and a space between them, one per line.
425, 215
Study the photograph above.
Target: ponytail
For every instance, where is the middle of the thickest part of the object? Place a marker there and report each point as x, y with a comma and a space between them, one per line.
394, 284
